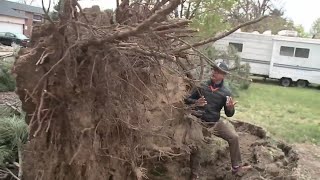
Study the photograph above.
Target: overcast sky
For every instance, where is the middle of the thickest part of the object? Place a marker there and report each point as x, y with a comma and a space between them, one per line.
300, 11
303, 12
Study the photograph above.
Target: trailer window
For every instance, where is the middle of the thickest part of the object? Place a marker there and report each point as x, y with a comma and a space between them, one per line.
286, 51
302, 52
237, 46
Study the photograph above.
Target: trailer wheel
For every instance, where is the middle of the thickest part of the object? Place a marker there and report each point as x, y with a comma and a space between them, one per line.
286, 82
302, 83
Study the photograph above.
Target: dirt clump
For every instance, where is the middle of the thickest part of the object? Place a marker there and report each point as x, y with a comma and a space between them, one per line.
309, 161
264, 154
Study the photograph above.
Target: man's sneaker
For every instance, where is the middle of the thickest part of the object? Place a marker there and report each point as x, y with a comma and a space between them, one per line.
240, 169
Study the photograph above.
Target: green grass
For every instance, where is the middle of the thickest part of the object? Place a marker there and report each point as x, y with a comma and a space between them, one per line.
291, 114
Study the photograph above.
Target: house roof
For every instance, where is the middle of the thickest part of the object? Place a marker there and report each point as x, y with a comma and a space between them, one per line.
8, 8
4, 10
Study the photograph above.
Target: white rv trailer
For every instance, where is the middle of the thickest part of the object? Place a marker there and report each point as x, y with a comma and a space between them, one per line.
289, 59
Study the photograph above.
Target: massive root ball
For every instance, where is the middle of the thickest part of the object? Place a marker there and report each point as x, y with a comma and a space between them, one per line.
100, 104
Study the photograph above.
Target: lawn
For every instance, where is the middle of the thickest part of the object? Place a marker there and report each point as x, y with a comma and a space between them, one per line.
291, 114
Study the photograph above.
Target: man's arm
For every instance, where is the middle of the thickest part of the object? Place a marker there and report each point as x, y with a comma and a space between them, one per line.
195, 95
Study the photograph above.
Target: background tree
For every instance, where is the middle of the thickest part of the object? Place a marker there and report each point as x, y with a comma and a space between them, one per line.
246, 10
276, 22
211, 16
315, 29
301, 31
28, 2
56, 10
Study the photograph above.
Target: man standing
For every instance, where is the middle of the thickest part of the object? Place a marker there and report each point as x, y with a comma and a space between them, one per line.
209, 99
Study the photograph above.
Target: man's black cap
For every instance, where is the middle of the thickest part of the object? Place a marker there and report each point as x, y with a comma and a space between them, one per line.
222, 66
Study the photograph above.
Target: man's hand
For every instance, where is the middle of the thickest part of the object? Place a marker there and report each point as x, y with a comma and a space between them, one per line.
201, 102
230, 103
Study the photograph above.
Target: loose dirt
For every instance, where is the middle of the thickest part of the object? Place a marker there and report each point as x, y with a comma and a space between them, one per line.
309, 161
269, 159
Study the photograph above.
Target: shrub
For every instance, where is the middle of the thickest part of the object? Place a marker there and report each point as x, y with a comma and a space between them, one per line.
7, 81
13, 134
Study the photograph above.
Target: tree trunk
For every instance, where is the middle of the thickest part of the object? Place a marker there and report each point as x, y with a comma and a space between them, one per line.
118, 3
188, 11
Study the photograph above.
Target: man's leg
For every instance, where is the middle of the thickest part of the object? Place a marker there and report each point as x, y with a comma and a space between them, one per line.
227, 132
195, 163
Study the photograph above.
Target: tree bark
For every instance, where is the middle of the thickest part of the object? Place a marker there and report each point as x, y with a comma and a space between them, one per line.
188, 11
193, 14
181, 10
118, 3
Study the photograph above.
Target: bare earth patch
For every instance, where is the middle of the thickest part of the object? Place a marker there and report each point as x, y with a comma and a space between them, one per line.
270, 159
309, 161
8, 97
9, 103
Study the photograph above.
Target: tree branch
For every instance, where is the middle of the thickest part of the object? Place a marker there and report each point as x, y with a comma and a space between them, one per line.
46, 12
220, 36
177, 31
188, 11
158, 5
117, 2
207, 59
193, 14
202, 69
30, 3
20, 173
172, 25
150, 53
16, 110
12, 174
141, 27
184, 68
181, 8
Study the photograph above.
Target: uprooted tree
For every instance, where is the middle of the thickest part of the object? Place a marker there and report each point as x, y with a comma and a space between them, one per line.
103, 95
